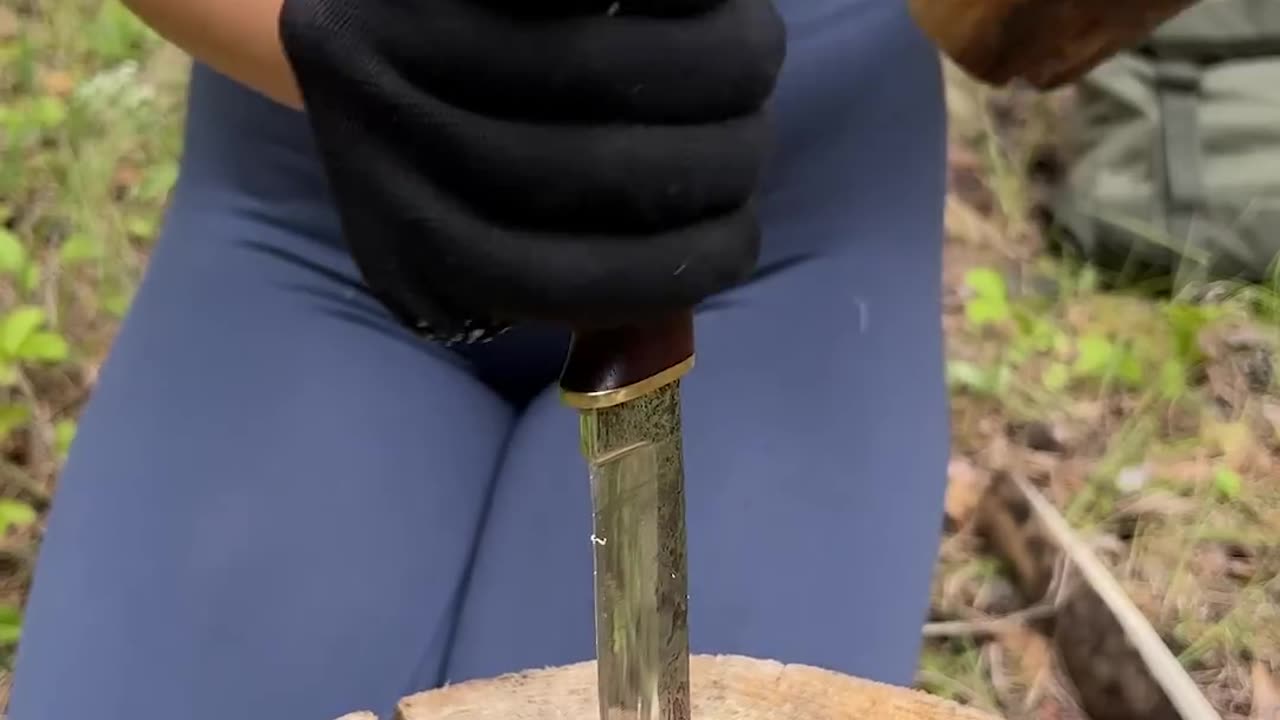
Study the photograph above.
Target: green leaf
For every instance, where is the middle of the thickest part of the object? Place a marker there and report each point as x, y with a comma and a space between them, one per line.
990, 301
986, 283
141, 226
13, 256
1043, 334
50, 111
14, 514
12, 417
31, 277
10, 615
8, 372
10, 625
986, 311
64, 432
1094, 355
1056, 377
1186, 322
117, 303
79, 248
44, 347
1227, 482
963, 374
1130, 369
17, 326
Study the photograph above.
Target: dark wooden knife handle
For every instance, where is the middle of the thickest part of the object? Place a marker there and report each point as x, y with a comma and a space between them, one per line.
607, 367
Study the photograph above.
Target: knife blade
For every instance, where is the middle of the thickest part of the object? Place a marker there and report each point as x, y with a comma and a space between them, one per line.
625, 384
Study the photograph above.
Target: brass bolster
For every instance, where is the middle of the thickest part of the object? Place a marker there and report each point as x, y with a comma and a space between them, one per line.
616, 396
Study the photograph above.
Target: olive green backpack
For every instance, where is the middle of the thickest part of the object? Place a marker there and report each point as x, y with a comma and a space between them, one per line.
1173, 152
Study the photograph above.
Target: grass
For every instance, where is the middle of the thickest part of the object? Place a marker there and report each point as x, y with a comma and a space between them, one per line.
1153, 423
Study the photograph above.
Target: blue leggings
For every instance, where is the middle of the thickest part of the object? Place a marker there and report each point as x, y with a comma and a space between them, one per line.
280, 506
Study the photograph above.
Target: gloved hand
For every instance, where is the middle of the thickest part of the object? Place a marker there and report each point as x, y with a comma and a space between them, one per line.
586, 162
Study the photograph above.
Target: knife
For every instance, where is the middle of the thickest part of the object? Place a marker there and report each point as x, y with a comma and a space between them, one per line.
625, 383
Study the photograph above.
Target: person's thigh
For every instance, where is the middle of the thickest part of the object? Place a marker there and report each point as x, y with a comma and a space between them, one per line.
271, 503
815, 422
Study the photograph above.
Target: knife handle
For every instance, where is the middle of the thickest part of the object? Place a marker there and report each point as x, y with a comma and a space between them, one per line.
609, 367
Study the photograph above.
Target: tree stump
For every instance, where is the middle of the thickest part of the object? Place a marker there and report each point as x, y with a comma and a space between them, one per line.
725, 687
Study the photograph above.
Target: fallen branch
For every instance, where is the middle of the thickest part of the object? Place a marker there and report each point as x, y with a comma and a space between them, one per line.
1181, 690
988, 626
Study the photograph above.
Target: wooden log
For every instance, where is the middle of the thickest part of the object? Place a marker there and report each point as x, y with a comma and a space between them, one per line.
725, 687
1047, 43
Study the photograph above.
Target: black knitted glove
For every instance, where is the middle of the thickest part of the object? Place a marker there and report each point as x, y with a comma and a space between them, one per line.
587, 162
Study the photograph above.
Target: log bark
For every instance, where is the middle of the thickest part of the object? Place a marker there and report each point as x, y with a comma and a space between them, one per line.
724, 687
1047, 43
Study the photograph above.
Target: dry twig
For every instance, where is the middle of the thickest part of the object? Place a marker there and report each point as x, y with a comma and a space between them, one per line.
1182, 691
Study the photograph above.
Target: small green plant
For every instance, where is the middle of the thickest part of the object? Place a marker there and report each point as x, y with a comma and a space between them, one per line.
10, 625
15, 514
26, 338
1042, 358
1227, 483
989, 302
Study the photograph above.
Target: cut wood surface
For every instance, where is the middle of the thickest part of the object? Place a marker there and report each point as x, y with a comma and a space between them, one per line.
725, 687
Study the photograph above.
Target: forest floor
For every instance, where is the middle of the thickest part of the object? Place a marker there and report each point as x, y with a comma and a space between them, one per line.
1152, 424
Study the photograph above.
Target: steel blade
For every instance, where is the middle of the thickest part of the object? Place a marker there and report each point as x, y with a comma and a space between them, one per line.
634, 454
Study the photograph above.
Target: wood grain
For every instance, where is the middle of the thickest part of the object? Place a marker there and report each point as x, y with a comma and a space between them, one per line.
724, 687
1047, 43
